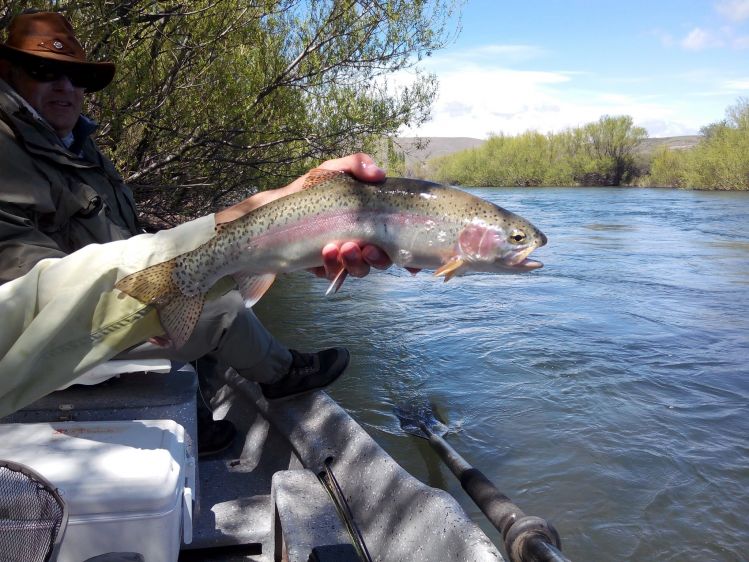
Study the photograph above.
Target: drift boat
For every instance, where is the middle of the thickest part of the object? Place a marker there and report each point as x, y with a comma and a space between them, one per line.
303, 481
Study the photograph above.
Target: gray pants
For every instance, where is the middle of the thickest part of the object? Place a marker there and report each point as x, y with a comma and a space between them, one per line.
235, 337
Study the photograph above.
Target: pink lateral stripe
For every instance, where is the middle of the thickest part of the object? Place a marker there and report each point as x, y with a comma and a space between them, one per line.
334, 224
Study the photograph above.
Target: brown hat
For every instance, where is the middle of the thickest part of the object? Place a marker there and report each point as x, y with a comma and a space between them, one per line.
47, 37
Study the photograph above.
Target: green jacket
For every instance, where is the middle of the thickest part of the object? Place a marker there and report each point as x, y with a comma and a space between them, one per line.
54, 201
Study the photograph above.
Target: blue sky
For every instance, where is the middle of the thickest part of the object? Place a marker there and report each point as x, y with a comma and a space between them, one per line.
673, 65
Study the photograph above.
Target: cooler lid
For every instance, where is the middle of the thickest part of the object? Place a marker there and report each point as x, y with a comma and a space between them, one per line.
103, 467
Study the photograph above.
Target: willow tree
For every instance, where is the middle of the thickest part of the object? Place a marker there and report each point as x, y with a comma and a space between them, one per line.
612, 142
719, 161
214, 99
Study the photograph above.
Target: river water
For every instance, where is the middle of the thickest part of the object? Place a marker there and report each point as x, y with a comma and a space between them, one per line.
607, 392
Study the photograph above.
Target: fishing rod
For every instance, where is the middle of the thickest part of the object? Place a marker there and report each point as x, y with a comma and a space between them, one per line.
526, 538
329, 481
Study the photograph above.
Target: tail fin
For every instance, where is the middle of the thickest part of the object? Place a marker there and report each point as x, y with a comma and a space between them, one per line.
154, 285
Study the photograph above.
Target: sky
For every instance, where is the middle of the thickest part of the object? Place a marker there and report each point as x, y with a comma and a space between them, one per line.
548, 65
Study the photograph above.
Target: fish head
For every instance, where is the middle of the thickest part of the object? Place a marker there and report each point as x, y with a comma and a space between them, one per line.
501, 244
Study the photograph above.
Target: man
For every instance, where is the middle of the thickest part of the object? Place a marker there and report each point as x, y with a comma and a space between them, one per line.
59, 193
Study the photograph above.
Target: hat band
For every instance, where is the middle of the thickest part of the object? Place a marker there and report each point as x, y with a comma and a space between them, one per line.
57, 46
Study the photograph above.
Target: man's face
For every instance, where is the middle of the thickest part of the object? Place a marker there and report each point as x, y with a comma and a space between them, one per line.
57, 100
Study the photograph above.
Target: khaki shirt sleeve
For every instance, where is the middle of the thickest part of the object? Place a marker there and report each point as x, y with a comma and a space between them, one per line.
64, 316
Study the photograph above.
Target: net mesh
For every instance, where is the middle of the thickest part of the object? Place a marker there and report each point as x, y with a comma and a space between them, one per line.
31, 515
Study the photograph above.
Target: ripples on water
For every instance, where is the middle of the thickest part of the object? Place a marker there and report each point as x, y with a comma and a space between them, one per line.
607, 392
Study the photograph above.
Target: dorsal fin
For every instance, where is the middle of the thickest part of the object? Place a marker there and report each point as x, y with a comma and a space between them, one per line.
317, 176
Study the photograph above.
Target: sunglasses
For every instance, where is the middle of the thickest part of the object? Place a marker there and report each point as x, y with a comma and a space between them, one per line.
49, 73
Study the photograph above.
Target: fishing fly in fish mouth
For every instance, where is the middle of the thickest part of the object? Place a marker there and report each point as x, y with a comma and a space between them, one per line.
419, 224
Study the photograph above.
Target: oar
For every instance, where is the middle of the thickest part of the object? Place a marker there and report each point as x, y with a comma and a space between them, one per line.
527, 538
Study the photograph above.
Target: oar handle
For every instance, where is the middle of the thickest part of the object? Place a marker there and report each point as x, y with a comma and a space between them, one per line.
527, 538
497, 507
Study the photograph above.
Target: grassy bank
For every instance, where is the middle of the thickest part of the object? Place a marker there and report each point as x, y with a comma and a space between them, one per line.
608, 152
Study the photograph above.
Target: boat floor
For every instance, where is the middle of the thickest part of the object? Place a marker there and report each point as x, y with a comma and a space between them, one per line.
237, 514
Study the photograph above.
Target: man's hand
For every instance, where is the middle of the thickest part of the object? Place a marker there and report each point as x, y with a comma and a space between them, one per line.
356, 260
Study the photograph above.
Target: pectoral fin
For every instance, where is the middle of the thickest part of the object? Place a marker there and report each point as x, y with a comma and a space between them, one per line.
450, 269
253, 287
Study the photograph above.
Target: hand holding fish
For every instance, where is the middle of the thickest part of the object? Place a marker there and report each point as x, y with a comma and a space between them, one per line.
355, 259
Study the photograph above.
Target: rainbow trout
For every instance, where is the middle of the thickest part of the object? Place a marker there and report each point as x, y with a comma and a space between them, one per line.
418, 224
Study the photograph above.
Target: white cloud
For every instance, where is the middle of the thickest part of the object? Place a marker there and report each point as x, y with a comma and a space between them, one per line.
734, 10
476, 100
662, 128
486, 90
735, 85
494, 52
699, 39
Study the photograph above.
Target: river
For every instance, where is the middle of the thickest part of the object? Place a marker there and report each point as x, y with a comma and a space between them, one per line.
607, 392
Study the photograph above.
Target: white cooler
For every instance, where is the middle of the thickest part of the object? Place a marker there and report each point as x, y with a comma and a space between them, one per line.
128, 485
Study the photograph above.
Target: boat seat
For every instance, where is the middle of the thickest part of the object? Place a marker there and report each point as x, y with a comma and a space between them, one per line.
130, 396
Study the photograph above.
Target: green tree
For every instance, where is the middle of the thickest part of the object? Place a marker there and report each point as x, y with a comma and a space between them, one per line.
612, 142
719, 161
668, 168
737, 115
709, 131
214, 99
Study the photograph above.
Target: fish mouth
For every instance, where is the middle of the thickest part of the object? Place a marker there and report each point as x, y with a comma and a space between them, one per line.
527, 265
523, 264
519, 261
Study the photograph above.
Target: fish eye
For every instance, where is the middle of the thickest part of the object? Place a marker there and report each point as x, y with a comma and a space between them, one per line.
517, 236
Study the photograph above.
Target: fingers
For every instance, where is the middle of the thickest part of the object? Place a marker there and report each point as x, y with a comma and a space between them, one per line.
357, 260
352, 260
359, 165
375, 257
349, 255
330, 261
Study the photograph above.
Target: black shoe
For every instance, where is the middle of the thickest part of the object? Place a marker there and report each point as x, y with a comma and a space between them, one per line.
308, 371
214, 436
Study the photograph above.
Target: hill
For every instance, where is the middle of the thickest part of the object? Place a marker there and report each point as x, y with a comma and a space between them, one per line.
648, 146
418, 150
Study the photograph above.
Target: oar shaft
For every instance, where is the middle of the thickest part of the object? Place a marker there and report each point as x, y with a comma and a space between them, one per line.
497, 507
527, 538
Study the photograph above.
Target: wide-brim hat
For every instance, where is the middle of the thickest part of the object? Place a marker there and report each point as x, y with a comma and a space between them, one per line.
47, 37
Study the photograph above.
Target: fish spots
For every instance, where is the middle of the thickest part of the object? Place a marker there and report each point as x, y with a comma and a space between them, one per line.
405, 257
